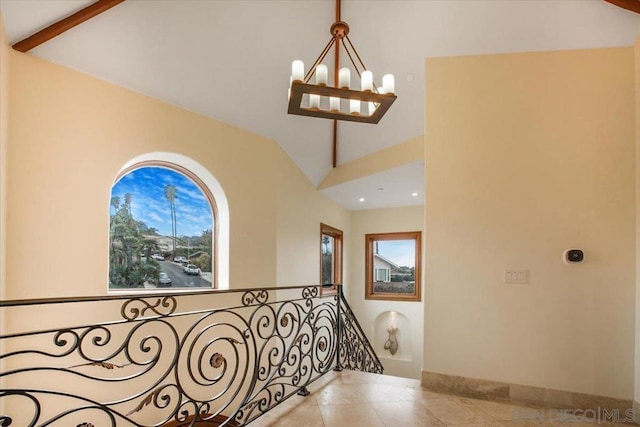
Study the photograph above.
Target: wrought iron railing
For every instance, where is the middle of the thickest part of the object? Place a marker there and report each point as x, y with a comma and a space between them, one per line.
354, 352
222, 357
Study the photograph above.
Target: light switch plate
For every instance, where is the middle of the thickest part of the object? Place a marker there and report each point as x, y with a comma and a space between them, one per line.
516, 276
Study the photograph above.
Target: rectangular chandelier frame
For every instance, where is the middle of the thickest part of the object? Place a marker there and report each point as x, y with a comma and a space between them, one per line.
298, 89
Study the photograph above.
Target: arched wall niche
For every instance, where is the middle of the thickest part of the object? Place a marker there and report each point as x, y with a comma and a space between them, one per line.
404, 335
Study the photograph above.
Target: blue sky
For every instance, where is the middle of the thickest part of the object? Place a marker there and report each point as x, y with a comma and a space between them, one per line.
149, 204
402, 252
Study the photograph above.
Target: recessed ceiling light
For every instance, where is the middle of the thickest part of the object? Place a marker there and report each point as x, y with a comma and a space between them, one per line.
361, 199
414, 194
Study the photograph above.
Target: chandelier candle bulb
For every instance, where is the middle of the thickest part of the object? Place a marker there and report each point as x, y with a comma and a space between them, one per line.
388, 84
334, 103
354, 106
322, 74
314, 101
297, 70
366, 81
344, 78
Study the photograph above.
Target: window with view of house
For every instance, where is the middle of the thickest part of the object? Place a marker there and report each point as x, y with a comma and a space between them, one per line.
393, 266
162, 229
330, 256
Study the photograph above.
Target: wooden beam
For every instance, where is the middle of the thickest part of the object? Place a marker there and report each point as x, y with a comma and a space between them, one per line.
632, 5
65, 24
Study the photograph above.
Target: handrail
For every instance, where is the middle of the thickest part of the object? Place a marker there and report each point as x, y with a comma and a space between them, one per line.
130, 294
171, 359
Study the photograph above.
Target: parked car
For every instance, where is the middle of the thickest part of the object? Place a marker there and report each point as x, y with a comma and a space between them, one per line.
157, 257
191, 269
164, 279
181, 259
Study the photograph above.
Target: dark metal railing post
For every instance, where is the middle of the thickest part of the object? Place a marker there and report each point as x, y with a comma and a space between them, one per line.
338, 327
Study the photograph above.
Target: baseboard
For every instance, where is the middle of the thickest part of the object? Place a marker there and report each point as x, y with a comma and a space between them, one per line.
622, 410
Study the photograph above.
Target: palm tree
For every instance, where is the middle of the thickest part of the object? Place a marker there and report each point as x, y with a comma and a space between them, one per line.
325, 242
127, 202
170, 192
115, 203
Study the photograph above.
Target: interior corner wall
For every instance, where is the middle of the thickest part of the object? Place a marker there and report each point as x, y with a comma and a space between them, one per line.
528, 155
4, 119
4, 113
637, 110
301, 209
367, 311
69, 136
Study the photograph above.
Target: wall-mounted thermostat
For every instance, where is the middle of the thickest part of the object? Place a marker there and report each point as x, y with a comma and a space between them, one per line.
572, 256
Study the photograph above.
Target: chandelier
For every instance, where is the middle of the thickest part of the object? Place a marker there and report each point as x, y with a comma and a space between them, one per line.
340, 101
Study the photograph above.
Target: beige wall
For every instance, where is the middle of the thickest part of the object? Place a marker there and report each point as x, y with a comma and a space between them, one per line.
385, 159
4, 112
301, 209
71, 134
4, 116
371, 314
528, 155
637, 341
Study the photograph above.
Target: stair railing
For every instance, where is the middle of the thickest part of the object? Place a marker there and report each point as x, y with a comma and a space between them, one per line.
224, 357
355, 351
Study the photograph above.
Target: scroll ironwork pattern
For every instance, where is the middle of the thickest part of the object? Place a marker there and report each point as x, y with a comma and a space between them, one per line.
355, 350
174, 359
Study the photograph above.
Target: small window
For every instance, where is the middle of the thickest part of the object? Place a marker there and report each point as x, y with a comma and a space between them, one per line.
393, 266
383, 275
330, 257
162, 230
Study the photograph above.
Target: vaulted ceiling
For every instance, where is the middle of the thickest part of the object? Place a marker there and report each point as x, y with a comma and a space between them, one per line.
230, 60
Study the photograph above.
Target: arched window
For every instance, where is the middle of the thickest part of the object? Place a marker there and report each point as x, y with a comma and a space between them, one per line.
165, 228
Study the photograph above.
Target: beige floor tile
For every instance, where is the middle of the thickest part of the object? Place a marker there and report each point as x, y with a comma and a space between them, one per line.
457, 411
353, 399
493, 424
397, 381
421, 394
355, 377
385, 393
296, 400
340, 394
322, 381
355, 415
549, 423
527, 423
406, 414
508, 412
308, 416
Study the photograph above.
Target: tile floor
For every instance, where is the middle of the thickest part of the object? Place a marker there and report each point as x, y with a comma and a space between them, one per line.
354, 399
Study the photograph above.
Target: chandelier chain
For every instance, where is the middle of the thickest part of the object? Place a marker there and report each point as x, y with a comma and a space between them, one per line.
364, 67
326, 50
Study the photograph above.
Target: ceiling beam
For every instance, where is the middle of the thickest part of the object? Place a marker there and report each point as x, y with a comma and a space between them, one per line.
632, 5
65, 24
